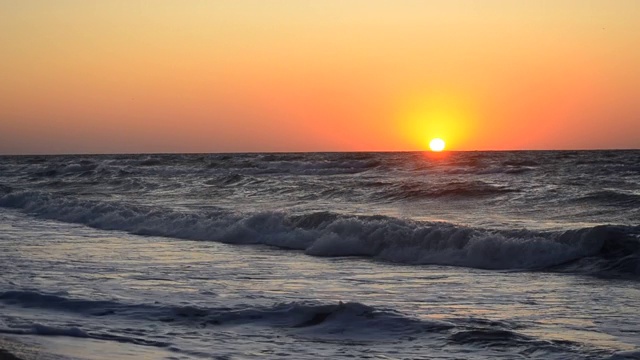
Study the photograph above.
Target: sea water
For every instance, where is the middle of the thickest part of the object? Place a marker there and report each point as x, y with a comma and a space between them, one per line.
459, 255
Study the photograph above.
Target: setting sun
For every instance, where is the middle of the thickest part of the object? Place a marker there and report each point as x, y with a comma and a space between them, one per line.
436, 144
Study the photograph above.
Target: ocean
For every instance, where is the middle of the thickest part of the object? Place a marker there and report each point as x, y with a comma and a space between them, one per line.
399, 255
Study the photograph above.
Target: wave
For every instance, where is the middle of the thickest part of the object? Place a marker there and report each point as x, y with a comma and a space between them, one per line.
616, 258
161, 165
626, 355
612, 198
491, 337
348, 322
295, 163
5, 189
51, 301
417, 190
316, 167
151, 161
81, 168
332, 234
351, 317
234, 179
521, 163
77, 332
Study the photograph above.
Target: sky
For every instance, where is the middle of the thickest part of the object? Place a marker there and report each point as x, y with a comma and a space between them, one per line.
124, 76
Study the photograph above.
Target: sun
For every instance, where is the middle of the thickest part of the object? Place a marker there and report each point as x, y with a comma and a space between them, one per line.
436, 144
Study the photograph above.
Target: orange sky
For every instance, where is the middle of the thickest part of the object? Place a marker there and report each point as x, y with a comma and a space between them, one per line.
218, 76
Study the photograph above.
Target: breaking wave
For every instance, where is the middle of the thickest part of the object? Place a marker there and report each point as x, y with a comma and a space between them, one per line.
607, 248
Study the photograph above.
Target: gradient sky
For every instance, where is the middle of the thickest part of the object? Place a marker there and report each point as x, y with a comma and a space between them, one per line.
243, 76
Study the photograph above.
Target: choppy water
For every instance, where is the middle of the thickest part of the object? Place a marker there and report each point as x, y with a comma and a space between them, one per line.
383, 255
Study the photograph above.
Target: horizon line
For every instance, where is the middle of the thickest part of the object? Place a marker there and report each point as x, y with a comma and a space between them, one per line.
304, 152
